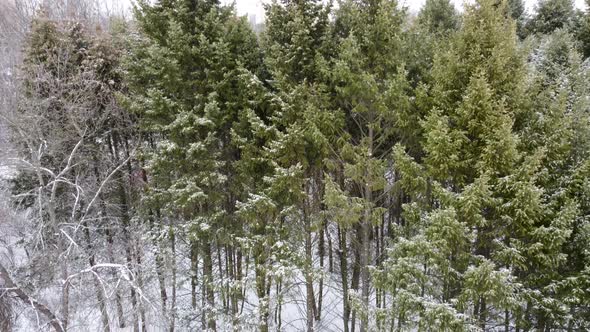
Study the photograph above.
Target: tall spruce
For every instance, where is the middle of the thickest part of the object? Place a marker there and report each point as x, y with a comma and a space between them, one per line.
551, 15
298, 46
557, 125
439, 16
477, 211
185, 87
370, 90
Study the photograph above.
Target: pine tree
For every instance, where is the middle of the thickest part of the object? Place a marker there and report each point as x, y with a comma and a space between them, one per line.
517, 11
560, 80
477, 175
551, 15
439, 16
298, 42
371, 88
185, 80
582, 32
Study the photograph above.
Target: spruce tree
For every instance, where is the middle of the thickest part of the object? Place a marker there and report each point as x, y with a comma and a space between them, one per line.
439, 16
185, 78
371, 89
555, 126
551, 15
476, 174
517, 11
298, 43
582, 32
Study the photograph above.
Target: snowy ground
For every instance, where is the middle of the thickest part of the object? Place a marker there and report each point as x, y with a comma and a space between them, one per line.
85, 316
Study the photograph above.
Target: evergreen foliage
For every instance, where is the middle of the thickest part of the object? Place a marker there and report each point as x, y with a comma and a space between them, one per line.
352, 167
439, 16
551, 15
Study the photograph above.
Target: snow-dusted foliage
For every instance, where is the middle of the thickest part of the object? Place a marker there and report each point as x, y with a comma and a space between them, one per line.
352, 167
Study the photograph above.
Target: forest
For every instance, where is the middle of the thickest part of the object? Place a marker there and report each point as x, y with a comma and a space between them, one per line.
347, 165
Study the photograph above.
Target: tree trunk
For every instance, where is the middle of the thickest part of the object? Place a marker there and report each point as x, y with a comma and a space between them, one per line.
364, 258
343, 255
100, 295
125, 223
173, 301
223, 295
161, 279
111, 258
365, 254
482, 314
208, 284
261, 292
139, 274
330, 249
310, 297
65, 292
278, 312
321, 253
356, 270
234, 294
194, 271
240, 277
55, 322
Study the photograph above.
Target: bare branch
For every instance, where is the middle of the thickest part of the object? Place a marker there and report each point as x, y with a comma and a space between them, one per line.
37, 306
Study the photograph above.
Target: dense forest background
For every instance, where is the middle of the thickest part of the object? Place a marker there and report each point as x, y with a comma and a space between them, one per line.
347, 166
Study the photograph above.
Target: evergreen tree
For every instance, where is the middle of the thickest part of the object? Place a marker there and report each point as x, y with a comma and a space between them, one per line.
439, 16
477, 186
516, 10
298, 45
560, 80
583, 32
371, 89
551, 15
394, 172
186, 78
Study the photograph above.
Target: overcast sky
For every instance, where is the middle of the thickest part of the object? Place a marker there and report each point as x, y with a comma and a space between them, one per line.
255, 6
246, 7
